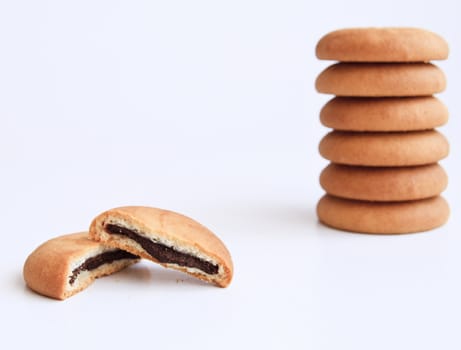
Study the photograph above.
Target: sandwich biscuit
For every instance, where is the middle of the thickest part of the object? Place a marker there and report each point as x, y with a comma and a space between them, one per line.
381, 79
382, 45
65, 265
168, 238
384, 149
383, 217
384, 184
384, 114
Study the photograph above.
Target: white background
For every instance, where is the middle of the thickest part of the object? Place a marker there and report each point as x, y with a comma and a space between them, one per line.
207, 108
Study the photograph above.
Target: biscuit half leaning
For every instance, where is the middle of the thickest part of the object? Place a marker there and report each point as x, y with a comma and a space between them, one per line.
168, 238
65, 265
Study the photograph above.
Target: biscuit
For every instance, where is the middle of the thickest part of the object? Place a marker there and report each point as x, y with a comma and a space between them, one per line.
65, 265
384, 184
384, 114
383, 217
381, 79
168, 238
382, 45
384, 149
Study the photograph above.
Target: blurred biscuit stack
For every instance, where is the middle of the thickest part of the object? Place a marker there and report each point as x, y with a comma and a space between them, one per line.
384, 175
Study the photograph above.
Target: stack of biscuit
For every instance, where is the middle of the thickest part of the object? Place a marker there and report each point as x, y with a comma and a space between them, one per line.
384, 176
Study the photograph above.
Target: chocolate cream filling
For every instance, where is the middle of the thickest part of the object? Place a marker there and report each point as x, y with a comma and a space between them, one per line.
163, 253
98, 260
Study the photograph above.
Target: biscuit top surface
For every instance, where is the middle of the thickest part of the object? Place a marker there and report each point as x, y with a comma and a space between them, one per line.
382, 45
161, 222
55, 268
56, 255
69, 246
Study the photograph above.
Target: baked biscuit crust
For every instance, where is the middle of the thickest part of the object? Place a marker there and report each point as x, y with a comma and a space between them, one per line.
384, 184
382, 45
384, 114
383, 217
384, 149
381, 79
50, 268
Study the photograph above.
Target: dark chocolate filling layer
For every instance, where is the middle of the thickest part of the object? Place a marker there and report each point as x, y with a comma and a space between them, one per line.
163, 253
101, 259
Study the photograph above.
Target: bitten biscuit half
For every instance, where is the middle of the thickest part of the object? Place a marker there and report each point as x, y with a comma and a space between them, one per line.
65, 265
382, 45
381, 79
168, 238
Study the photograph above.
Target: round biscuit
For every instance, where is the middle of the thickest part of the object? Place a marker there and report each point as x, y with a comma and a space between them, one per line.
384, 184
381, 79
384, 114
382, 45
384, 149
383, 217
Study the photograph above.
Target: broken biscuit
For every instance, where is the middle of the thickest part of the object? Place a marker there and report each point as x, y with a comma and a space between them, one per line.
168, 238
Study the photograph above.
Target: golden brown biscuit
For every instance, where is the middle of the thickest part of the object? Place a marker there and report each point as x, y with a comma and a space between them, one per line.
383, 217
381, 79
384, 114
382, 45
65, 265
384, 149
384, 184
168, 238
